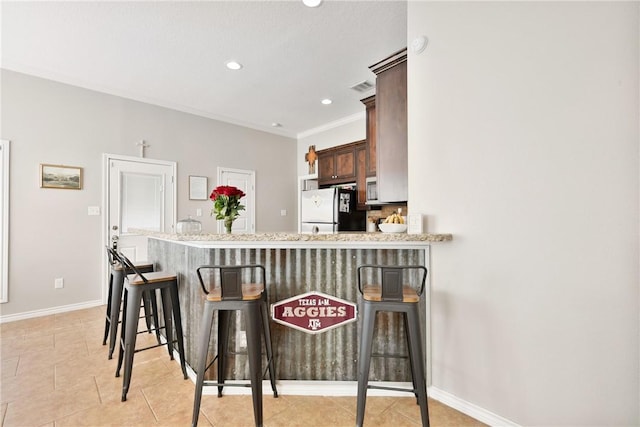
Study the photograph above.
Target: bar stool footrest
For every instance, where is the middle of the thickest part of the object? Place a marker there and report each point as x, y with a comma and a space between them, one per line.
405, 390
154, 346
391, 356
242, 353
217, 384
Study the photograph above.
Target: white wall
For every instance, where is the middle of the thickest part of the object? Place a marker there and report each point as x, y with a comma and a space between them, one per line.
523, 142
51, 234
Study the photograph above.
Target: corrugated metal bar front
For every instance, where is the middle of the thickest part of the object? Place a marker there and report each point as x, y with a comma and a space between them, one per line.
331, 355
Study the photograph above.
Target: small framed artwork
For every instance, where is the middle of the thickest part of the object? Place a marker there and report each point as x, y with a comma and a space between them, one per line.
59, 176
198, 188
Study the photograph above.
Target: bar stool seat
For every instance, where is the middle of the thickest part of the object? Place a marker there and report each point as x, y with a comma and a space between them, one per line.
136, 285
117, 274
233, 295
387, 293
250, 291
374, 293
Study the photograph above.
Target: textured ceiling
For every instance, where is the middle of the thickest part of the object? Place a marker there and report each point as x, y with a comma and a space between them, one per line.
173, 54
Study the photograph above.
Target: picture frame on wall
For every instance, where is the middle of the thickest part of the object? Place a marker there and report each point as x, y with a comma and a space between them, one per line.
198, 188
60, 177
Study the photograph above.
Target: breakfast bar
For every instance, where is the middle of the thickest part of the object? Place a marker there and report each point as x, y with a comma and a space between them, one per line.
298, 264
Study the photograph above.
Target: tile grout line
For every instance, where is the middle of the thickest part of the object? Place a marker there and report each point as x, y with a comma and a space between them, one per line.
15, 371
5, 414
95, 382
149, 405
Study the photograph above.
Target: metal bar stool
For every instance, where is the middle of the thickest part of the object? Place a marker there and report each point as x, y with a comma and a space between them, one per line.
251, 299
136, 284
391, 295
116, 283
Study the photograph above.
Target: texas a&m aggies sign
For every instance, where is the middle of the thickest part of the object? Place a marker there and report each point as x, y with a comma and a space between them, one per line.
313, 312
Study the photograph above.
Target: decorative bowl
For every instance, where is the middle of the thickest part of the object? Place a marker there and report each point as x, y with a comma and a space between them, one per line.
392, 228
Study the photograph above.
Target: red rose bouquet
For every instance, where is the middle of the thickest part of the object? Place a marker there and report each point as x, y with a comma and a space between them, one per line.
226, 204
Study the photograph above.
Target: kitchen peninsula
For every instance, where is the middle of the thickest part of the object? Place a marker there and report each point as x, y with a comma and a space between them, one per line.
298, 264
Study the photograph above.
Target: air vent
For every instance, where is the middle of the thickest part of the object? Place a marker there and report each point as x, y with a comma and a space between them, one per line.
363, 86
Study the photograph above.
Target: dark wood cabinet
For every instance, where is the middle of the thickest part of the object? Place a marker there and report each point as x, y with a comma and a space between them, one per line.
361, 175
391, 127
345, 164
370, 105
337, 165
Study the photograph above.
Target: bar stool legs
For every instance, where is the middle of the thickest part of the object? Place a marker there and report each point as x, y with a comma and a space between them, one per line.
114, 300
201, 362
417, 362
110, 314
255, 372
171, 309
364, 360
267, 342
223, 346
257, 325
416, 355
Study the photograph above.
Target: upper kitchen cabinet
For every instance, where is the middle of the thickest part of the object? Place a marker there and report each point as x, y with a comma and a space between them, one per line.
370, 106
391, 127
361, 176
337, 165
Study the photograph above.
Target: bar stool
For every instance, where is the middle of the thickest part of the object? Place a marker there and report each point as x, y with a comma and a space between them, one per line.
390, 295
114, 299
136, 284
231, 295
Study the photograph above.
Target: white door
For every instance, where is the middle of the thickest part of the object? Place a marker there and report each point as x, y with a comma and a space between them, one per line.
141, 195
245, 180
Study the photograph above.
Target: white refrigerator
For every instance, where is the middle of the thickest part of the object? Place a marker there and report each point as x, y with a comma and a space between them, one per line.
329, 210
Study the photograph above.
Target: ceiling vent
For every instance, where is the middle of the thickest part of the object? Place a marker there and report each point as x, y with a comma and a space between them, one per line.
363, 86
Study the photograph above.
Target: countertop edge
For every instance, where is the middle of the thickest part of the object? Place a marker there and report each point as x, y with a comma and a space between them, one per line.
296, 239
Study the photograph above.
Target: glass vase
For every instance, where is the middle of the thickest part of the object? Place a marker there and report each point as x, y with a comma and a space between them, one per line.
228, 224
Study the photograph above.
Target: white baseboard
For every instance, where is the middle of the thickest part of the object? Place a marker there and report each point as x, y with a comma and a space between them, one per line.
49, 311
470, 409
307, 388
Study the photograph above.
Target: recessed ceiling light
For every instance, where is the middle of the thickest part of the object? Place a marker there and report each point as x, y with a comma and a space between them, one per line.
326, 101
233, 65
312, 3
276, 125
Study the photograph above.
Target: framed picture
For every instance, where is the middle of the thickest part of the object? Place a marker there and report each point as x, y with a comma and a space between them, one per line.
198, 188
58, 176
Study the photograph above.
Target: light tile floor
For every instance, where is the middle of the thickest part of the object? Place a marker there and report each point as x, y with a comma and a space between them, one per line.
55, 372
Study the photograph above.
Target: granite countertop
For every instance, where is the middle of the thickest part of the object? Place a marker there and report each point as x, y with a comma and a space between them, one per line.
298, 237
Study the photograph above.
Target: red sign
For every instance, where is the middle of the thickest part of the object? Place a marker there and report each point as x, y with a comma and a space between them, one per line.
313, 312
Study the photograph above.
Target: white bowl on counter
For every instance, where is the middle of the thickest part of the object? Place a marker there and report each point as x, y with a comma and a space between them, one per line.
392, 228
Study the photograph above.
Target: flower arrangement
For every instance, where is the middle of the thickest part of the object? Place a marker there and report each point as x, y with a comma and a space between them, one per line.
226, 204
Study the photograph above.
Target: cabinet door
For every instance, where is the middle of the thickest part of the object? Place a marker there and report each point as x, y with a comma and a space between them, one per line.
326, 167
361, 176
345, 164
391, 117
337, 165
370, 104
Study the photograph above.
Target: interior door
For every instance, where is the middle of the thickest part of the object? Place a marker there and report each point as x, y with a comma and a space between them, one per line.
244, 180
141, 195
